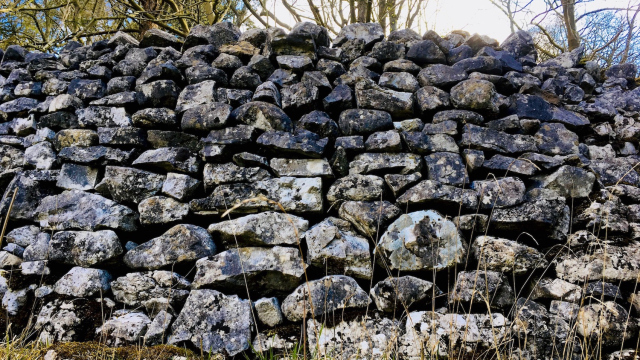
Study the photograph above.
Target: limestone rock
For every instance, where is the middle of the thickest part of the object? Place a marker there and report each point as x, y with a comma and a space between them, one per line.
83, 282
333, 246
74, 209
266, 271
181, 243
399, 293
84, 248
422, 240
506, 256
324, 296
214, 321
263, 229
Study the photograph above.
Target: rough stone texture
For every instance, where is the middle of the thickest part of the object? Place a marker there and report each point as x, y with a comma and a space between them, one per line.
506, 256
181, 243
83, 282
358, 155
332, 244
422, 240
84, 248
325, 295
401, 292
275, 270
214, 321
263, 229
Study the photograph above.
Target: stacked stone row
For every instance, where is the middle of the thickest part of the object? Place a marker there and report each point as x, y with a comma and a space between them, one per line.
230, 191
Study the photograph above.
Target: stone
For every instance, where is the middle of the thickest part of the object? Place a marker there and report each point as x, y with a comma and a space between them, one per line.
159, 38
206, 117
510, 165
41, 156
75, 137
101, 116
301, 142
568, 181
500, 193
399, 183
267, 92
349, 338
493, 140
124, 327
425, 52
370, 33
356, 188
610, 215
180, 186
399, 81
158, 329
443, 334
613, 264
268, 311
556, 289
83, 282
161, 210
266, 271
263, 116
480, 64
441, 76
74, 209
478, 95
178, 159
356, 121
182, 243
403, 163
438, 194
333, 246
447, 168
127, 136
197, 94
67, 320
506, 256
607, 323
371, 96
369, 218
214, 321
490, 288
84, 248
216, 174
147, 288
324, 296
384, 141
399, 293
301, 167
262, 229
548, 217
422, 240
616, 171
555, 139
159, 93
131, 185
296, 195
320, 123
86, 89
299, 98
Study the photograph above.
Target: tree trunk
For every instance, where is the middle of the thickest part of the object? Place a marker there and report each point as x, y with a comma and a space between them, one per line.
352, 11
568, 12
382, 14
362, 11
393, 15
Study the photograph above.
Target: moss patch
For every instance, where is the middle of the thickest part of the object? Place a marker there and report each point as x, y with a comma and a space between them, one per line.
97, 351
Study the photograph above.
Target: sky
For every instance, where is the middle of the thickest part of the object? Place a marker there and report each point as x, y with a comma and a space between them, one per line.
474, 16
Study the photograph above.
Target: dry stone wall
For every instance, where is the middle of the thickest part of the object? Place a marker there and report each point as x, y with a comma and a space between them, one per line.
401, 196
